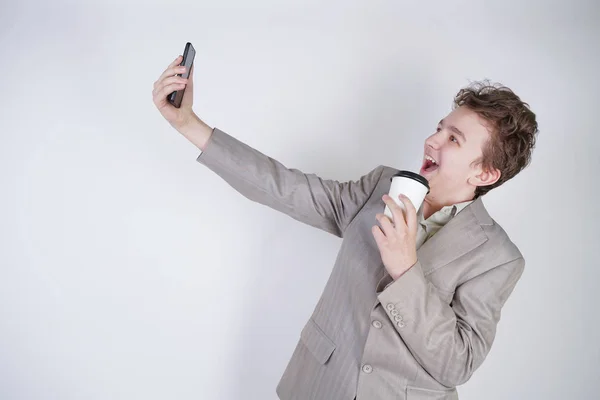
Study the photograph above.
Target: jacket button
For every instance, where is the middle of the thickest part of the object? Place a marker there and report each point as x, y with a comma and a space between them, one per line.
390, 306
377, 324
401, 324
367, 369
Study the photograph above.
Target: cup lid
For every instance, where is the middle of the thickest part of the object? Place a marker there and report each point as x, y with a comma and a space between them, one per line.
417, 177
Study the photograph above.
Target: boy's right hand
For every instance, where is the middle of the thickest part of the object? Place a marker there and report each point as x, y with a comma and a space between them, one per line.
168, 83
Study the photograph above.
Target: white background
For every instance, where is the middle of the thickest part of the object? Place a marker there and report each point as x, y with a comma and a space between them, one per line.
130, 271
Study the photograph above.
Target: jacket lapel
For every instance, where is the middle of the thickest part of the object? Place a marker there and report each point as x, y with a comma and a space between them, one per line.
462, 234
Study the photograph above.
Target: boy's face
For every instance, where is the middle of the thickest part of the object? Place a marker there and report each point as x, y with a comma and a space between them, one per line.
456, 144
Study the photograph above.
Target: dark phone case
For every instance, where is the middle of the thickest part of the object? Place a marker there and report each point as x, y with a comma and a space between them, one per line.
188, 60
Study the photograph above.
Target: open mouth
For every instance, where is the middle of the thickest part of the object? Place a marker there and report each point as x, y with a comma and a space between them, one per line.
429, 165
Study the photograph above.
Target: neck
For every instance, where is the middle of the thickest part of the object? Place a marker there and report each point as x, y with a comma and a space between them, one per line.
430, 208
431, 204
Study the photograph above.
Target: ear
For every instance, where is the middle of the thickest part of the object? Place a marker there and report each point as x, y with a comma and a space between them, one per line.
485, 177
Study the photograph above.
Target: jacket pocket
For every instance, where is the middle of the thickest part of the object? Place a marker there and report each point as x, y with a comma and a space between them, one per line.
414, 393
317, 342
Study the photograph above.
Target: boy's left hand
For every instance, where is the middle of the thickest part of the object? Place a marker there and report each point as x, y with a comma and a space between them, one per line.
397, 240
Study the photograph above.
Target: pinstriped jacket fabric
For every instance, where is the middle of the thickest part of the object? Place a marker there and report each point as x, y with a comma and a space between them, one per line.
368, 337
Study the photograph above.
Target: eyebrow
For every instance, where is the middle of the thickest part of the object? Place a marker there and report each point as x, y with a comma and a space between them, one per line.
455, 130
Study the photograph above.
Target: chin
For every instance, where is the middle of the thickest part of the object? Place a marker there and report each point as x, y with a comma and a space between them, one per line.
431, 179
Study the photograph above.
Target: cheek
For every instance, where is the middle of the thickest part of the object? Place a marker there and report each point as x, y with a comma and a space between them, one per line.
454, 170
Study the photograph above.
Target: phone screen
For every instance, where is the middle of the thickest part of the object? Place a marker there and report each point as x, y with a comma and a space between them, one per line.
188, 60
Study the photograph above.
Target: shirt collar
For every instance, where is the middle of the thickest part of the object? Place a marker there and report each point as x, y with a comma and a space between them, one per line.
450, 210
460, 206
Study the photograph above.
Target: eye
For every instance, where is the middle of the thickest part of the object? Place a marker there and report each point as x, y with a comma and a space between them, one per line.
438, 129
453, 139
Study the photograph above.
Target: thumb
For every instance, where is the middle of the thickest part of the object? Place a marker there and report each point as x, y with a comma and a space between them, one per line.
191, 77
411, 213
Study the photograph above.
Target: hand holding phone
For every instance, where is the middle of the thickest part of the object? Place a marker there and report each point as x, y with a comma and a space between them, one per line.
189, 54
168, 97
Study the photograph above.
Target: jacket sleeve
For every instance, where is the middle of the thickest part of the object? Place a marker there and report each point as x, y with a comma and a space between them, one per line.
451, 340
325, 204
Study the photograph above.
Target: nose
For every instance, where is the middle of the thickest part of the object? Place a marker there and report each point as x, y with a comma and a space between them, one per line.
434, 141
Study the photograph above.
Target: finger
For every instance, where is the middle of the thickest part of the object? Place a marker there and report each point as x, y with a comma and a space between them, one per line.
173, 69
397, 212
161, 96
174, 64
386, 225
411, 213
170, 80
176, 61
191, 78
379, 236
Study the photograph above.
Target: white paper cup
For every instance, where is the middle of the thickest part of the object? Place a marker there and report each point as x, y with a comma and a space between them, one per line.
410, 184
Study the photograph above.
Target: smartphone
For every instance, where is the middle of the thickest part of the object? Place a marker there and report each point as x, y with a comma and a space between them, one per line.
188, 60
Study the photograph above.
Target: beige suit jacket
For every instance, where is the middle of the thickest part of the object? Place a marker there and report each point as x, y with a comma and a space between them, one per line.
417, 338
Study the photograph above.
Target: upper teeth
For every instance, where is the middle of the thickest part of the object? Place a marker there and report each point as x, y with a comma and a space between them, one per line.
430, 159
